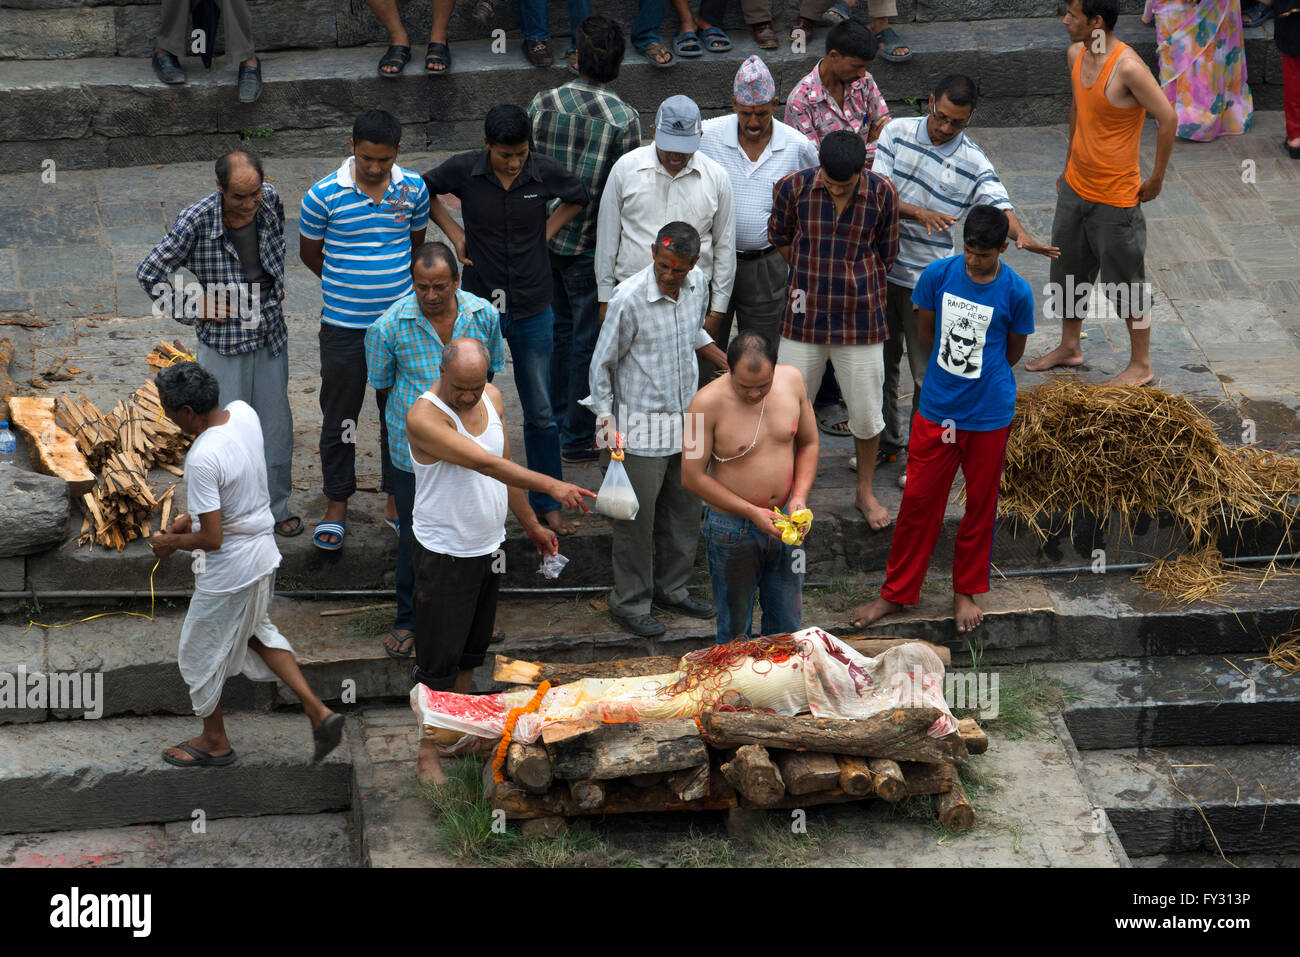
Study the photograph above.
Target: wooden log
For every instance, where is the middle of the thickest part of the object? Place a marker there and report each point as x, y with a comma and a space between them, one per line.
512, 671
871, 647
928, 778
751, 772
690, 784
588, 795
530, 766
899, 735
955, 812
52, 450
889, 780
807, 771
855, 776
977, 742
589, 749
620, 798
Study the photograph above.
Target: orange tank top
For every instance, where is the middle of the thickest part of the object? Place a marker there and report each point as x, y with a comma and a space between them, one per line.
1103, 165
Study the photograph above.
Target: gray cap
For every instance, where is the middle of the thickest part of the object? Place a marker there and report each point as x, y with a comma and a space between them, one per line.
678, 125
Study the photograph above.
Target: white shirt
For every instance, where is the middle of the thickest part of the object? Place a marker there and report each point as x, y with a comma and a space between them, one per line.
225, 469
640, 198
786, 151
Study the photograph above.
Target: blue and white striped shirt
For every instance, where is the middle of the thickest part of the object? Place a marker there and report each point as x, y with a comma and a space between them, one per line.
367, 245
948, 179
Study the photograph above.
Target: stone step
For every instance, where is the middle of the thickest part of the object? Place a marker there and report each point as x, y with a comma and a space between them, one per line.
102, 111
76, 775
1026, 621
1168, 701
1249, 794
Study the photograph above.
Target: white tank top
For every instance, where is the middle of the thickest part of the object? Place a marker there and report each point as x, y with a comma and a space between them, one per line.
458, 511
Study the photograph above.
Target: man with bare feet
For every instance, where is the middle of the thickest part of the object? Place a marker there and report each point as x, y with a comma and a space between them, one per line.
756, 449
979, 313
1099, 225
227, 629
837, 227
461, 459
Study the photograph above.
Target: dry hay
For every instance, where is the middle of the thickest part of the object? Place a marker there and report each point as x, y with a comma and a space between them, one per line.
1122, 452
1284, 652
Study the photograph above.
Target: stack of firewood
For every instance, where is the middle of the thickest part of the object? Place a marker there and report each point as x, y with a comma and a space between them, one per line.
168, 354
94, 433
739, 762
160, 442
121, 506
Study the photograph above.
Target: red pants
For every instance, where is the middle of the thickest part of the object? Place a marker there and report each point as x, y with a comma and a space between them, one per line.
931, 466
1291, 93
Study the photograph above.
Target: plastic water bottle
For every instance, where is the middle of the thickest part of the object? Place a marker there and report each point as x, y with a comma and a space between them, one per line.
7, 444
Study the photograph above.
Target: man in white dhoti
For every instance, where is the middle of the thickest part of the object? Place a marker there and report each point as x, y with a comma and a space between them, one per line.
227, 630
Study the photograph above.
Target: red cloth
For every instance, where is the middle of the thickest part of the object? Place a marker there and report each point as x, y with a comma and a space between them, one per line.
1291, 93
931, 466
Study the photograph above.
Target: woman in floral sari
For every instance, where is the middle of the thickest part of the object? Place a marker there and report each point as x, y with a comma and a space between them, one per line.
1203, 65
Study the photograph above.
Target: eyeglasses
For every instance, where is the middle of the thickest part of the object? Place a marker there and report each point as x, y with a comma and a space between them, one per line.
945, 121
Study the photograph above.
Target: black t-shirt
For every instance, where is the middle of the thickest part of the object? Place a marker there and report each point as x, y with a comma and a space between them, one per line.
245, 241
505, 230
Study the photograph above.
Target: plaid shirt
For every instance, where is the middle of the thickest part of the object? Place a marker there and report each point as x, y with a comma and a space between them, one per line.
198, 241
403, 353
815, 113
837, 269
585, 127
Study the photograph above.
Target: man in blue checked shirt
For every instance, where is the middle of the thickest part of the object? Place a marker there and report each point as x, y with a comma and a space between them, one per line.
356, 231
233, 243
403, 353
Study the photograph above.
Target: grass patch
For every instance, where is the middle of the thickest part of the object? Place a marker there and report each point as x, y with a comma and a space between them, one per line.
371, 622
771, 843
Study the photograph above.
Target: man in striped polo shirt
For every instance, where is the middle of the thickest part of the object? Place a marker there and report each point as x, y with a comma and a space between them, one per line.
356, 231
940, 174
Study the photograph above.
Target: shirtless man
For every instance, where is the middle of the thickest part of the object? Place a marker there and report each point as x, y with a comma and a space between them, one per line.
1099, 225
756, 450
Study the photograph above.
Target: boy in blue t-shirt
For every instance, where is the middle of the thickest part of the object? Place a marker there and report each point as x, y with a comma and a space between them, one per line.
975, 315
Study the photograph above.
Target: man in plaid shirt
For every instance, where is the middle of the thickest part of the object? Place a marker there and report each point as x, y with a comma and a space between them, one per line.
586, 127
233, 243
837, 226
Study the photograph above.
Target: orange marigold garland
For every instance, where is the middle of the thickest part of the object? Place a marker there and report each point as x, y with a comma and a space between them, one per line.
708, 669
499, 761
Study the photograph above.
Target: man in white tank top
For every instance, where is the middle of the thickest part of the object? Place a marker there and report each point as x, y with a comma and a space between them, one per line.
461, 458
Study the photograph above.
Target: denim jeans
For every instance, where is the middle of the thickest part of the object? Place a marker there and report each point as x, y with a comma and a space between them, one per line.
532, 343
577, 326
534, 18
645, 30
743, 560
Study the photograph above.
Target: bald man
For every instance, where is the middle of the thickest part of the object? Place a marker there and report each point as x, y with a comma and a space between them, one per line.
233, 243
464, 480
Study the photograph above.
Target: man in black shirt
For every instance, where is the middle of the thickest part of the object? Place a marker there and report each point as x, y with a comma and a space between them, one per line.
504, 191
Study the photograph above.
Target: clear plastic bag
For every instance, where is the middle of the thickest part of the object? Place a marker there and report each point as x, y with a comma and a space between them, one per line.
616, 498
552, 565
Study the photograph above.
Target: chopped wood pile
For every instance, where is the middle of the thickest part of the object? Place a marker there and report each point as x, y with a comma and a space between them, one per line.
734, 761
168, 354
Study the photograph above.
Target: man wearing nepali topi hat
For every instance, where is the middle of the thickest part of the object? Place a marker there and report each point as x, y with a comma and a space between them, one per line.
756, 150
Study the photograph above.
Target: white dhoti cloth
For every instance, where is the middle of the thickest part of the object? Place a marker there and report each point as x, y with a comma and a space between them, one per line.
215, 636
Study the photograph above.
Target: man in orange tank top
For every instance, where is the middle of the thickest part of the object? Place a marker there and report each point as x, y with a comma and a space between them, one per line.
1099, 225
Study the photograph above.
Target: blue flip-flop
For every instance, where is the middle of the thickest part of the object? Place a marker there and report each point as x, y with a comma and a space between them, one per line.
715, 41
394, 524
687, 45
328, 528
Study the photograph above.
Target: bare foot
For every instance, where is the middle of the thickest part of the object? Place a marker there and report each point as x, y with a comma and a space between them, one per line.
875, 514
558, 523
865, 615
968, 614
427, 766
1133, 375
1060, 356
216, 748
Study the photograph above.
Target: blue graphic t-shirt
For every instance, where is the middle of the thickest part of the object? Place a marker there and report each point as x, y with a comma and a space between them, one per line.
968, 378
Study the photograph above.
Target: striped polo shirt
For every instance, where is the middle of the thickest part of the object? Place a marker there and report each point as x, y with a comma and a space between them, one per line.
367, 245
948, 179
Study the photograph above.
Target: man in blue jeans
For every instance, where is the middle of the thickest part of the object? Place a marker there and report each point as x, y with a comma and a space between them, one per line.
504, 190
756, 449
534, 21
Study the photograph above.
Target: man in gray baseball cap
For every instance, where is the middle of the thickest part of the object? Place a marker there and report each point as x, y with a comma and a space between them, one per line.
678, 125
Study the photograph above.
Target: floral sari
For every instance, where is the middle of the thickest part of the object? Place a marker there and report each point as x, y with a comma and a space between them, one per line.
1203, 65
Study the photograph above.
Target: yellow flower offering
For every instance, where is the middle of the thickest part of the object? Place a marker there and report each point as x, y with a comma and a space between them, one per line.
793, 527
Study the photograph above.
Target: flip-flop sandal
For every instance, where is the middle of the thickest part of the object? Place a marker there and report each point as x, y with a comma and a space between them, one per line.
888, 39
687, 45
328, 736
328, 528
297, 530
715, 40
394, 524
437, 53
202, 759
838, 13
656, 49
831, 416
401, 640
397, 56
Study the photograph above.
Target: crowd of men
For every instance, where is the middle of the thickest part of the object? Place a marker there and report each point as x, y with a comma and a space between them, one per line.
614, 271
